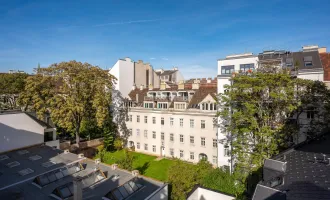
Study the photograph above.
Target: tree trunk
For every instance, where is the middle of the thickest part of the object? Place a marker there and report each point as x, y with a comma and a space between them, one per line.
77, 136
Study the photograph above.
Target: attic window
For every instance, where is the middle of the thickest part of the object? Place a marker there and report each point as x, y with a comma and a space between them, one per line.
35, 157
308, 60
22, 152
48, 164
13, 164
3, 157
25, 171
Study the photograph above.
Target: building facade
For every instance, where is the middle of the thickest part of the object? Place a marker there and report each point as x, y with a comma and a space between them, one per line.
176, 120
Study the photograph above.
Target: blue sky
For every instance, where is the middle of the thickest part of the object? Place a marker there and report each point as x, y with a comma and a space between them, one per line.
189, 34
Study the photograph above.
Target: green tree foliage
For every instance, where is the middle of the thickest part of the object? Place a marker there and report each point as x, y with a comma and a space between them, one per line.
109, 134
77, 92
118, 144
127, 161
256, 112
11, 85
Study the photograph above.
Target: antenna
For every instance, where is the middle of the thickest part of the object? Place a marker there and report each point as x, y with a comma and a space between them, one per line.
324, 157
315, 159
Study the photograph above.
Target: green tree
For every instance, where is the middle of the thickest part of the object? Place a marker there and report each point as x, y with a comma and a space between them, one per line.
11, 85
127, 161
118, 144
79, 91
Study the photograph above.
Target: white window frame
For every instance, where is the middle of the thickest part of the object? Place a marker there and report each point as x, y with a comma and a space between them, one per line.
181, 138
181, 122
203, 143
192, 123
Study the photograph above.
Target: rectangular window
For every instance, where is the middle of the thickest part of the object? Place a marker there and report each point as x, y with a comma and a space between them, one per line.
289, 62
145, 119
130, 118
171, 137
154, 120
215, 143
310, 114
192, 140
202, 124
308, 60
172, 152
162, 136
215, 123
181, 153
138, 118
145, 133
153, 134
246, 67
191, 123
227, 69
138, 145
146, 147
162, 121
153, 148
226, 151
192, 156
181, 138
203, 141
181, 122
171, 121
215, 159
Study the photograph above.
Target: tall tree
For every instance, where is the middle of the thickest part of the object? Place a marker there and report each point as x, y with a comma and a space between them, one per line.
79, 91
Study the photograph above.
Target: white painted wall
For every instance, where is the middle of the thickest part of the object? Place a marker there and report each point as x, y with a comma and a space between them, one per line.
209, 132
237, 62
123, 70
317, 76
204, 194
18, 131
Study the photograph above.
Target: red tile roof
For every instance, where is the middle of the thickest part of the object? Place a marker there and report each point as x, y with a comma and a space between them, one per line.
325, 59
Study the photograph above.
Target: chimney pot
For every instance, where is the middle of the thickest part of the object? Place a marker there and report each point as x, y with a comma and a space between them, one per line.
133, 87
135, 173
114, 166
141, 87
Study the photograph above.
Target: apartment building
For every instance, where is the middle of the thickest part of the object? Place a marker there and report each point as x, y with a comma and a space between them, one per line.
176, 120
173, 75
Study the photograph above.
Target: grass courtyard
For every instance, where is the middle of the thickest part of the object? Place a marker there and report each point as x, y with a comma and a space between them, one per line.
146, 164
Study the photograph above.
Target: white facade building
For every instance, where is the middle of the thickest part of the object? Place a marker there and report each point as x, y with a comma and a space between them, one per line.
18, 130
176, 121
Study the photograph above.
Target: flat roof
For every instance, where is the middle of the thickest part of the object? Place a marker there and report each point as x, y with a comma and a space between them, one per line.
14, 186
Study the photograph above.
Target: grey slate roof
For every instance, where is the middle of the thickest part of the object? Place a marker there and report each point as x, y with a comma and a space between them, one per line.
15, 186
166, 72
307, 175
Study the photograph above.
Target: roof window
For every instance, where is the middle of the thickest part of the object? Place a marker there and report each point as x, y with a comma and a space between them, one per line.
13, 164
35, 157
25, 172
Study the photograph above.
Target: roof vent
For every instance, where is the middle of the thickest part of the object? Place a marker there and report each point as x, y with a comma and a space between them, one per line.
135, 172
13, 164
22, 152
81, 155
115, 177
25, 172
66, 151
35, 157
3, 157
114, 166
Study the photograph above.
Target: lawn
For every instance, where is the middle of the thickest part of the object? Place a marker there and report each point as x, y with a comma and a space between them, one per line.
146, 164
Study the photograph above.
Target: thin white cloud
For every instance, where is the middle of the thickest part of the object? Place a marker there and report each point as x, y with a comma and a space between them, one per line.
164, 58
152, 58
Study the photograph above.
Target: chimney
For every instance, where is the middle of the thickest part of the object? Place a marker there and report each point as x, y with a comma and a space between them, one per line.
181, 85
135, 173
175, 68
195, 85
322, 50
141, 87
114, 166
162, 85
77, 188
151, 87
134, 87
137, 98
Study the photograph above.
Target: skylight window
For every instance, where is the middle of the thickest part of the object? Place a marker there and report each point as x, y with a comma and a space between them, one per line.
25, 172
57, 174
13, 164
48, 164
125, 190
3, 157
35, 157
22, 152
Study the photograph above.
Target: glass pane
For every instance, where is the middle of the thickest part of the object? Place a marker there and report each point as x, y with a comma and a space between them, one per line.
65, 192
123, 191
52, 177
128, 188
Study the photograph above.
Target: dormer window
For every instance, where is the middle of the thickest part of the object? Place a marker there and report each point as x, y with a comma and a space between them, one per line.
308, 60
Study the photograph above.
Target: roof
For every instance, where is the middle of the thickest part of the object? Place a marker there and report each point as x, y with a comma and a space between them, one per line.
296, 56
307, 172
34, 118
15, 186
201, 93
200, 192
166, 72
325, 59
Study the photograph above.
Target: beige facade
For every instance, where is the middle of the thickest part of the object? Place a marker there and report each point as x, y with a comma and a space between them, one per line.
145, 75
185, 134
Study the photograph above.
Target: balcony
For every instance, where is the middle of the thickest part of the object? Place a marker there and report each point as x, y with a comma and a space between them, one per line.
181, 99
163, 99
146, 98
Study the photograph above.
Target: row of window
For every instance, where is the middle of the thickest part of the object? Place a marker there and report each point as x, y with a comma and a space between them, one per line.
171, 152
209, 106
231, 68
162, 121
162, 137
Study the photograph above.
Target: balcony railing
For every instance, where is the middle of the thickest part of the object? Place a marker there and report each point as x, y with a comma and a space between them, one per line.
181, 99
163, 99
